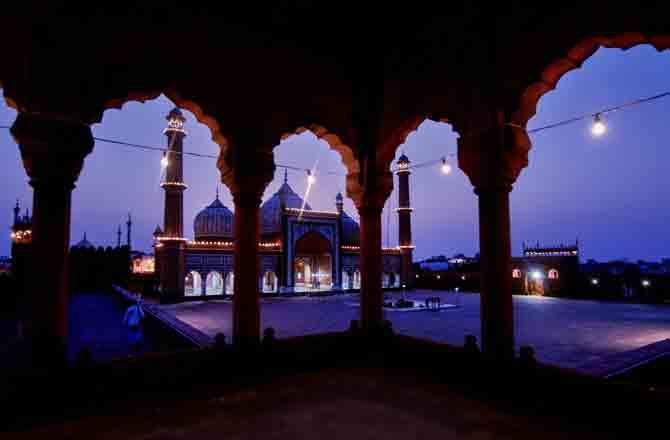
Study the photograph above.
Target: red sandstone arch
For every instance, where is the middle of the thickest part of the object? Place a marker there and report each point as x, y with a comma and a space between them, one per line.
388, 149
335, 142
573, 59
200, 115
312, 243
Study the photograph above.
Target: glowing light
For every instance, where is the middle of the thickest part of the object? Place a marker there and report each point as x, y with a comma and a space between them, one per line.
595, 281
445, 168
164, 161
311, 178
537, 275
646, 283
598, 128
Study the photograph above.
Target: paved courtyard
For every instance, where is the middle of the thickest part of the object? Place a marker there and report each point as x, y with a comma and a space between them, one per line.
563, 332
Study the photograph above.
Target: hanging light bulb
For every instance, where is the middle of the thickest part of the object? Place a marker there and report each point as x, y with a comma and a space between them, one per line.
311, 179
164, 161
445, 168
598, 128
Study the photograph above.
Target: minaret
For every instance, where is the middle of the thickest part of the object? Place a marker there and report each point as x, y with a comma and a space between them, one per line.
170, 253
174, 187
118, 237
339, 205
404, 221
17, 213
129, 229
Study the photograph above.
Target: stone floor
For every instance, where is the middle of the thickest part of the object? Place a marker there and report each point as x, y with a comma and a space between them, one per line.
361, 404
569, 333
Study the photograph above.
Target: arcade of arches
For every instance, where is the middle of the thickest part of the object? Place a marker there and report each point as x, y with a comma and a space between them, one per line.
362, 96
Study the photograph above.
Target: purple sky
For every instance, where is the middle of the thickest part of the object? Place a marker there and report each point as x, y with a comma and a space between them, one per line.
610, 192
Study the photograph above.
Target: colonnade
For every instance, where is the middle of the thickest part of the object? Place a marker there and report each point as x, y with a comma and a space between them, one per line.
53, 153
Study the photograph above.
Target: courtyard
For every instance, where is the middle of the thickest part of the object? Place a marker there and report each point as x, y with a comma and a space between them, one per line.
563, 332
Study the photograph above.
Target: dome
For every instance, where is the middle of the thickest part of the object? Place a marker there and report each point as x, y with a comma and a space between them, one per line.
84, 244
351, 232
271, 209
215, 222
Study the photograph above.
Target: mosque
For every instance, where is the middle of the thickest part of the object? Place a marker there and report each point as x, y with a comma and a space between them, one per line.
301, 250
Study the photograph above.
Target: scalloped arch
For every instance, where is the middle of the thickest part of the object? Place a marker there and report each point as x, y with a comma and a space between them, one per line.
335, 143
179, 101
574, 59
399, 136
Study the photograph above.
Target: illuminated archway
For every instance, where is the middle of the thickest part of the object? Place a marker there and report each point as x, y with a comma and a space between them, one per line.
214, 284
313, 263
357, 280
230, 283
193, 284
347, 280
386, 280
270, 282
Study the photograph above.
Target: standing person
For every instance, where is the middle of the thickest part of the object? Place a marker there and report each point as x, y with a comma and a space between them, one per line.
133, 319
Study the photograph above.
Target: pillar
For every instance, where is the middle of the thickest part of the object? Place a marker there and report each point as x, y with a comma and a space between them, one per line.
369, 200
246, 171
493, 159
497, 312
53, 153
246, 305
372, 297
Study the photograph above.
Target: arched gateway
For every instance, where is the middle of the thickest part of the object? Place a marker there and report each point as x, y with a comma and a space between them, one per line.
313, 263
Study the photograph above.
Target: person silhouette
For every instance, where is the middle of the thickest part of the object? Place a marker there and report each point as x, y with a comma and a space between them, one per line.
133, 320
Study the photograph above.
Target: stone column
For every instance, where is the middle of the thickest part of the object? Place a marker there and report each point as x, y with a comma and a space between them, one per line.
53, 153
246, 306
493, 159
497, 314
369, 201
372, 296
247, 172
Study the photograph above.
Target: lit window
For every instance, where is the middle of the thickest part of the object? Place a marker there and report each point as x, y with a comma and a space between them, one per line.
516, 273
553, 274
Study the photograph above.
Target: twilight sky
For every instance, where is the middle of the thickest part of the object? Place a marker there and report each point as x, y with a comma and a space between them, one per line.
611, 192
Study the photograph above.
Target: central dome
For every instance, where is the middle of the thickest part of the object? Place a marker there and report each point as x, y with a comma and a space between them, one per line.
272, 208
215, 222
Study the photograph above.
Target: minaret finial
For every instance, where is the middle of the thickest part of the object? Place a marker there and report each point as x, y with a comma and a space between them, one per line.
129, 225
285, 175
217, 192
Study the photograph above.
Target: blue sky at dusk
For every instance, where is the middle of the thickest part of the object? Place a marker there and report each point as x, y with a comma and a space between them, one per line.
611, 192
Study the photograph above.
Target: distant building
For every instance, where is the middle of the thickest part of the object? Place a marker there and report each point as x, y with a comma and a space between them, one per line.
5, 265
301, 249
143, 264
435, 263
84, 244
547, 270
21, 248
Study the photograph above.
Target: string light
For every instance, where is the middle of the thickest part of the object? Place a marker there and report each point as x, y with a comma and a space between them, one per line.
598, 128
445, 168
